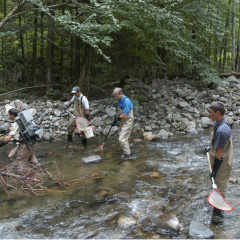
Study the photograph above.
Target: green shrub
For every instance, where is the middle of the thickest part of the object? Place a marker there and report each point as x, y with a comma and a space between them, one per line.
53, 94
142, 98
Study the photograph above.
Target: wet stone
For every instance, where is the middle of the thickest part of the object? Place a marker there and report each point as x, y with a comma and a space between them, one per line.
200, 231
126, 222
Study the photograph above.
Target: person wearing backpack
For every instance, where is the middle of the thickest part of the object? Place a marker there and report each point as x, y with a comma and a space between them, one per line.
26, 152
81, 108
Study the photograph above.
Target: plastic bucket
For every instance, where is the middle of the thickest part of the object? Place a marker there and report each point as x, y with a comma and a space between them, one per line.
89, 132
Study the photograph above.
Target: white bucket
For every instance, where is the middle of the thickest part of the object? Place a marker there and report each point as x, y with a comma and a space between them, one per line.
89, 132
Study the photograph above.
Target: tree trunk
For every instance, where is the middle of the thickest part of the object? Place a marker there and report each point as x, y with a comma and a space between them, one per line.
50, 48
238, 49
77, 59
34, 53
23, 51
215, 51
42, 47
12, 13
225, 44
233, 36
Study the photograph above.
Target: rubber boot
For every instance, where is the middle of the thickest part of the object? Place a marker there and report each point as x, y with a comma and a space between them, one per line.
84, 141
69, 138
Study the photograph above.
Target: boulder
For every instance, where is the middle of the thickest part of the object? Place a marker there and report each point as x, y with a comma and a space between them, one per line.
229, 120
199, 231
95, 112
166, 221
206, 122
232, 81
125, 222
223, 99
181, 93
57, 112
110, 112
163, 134
148, 136
4, 127
148, 128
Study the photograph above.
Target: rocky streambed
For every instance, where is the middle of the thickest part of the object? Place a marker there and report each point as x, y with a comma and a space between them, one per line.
162, 109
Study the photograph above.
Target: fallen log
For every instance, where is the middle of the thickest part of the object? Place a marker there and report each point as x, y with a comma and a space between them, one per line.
236, 74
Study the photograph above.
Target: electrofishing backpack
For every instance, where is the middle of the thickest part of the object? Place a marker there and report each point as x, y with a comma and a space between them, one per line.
30, 132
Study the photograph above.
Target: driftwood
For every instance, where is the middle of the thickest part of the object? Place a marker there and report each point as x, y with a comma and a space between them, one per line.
20, 89
236, 74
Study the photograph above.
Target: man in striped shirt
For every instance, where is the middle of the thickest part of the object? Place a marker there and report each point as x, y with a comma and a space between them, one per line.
221, 149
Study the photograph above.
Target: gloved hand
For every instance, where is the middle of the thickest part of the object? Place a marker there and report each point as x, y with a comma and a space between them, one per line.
116, 118
216, 165
67, 106
87, 116
2, 143
207, 149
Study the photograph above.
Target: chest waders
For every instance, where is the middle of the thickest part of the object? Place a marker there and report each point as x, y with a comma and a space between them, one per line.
223, 173
125, 129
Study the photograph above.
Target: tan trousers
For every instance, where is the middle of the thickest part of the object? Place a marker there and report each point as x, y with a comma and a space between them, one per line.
125, 129
226, 166
71, 127
26, 154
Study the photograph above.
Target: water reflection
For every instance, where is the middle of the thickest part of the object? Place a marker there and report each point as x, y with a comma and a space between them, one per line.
122, 189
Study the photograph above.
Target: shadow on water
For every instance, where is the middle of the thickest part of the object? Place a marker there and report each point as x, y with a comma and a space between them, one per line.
167, 176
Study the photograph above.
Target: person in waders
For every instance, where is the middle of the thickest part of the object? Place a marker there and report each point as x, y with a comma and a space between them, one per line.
220, 150
81, 108
26, 151
125, 118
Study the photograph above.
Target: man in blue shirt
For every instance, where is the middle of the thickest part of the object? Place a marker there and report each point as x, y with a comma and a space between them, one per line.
125, 118
221, 149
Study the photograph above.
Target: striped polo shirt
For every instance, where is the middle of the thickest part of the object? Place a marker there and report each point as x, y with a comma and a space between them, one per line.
222, 133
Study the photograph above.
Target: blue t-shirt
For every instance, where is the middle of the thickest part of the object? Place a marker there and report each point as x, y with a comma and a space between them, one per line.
222, 133
125, 104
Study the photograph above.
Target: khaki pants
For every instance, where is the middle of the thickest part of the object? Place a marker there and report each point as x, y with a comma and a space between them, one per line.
125, 129
226, 166
71, 127
26, 154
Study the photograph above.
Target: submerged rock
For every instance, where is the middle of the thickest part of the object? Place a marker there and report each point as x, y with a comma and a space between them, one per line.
148, 136
166, 221
126, 222
200, 231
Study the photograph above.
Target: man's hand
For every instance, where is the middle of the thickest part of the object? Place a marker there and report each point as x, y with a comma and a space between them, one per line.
2, 143
67, 106
207, 149
116, 118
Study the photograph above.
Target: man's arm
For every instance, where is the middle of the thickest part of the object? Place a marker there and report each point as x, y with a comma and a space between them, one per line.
219, 153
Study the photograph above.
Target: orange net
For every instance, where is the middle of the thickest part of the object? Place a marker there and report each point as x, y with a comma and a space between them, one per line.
13, 151
99, 148
216, 200
81, 123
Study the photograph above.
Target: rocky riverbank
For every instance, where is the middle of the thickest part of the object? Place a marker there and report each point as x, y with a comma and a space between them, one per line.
162, 109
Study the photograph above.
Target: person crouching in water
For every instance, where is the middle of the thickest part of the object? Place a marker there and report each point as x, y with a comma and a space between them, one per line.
125, 118
26, 151
81, 108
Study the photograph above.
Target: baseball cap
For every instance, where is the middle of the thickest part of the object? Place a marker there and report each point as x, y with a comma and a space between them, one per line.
75, 89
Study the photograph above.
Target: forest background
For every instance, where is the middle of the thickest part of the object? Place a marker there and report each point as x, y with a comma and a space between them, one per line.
90, 42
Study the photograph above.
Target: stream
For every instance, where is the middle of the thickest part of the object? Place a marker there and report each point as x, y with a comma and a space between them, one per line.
113, 188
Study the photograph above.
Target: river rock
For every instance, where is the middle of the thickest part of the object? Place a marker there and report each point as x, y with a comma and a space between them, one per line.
148, 128
202, 94
223, 99
126, 222
166, 221
49, 104
215, 97
4, 127
199, 231
183, 104
232, 81
57, 112
163, 134
54, 119
206, 122
232, 181
95, 112
229, 120
148, 136
33, 111
110, 112
181, 93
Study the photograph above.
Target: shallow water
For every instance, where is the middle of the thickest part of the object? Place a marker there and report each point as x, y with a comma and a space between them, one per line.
113, 188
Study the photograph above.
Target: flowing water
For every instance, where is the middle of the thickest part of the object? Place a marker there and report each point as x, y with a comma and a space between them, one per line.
111, 189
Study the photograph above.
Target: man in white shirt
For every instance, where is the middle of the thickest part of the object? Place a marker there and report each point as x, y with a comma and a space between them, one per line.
81, 108
25, 151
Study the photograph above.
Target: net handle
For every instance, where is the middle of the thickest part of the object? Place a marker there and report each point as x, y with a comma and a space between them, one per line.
210, 168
